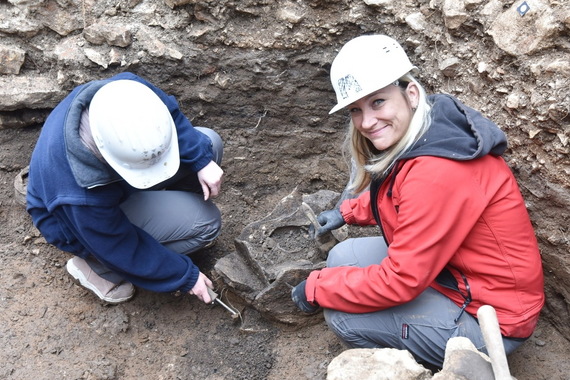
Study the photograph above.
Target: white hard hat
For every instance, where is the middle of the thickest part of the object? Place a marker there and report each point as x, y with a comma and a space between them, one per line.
134, 132
366, 64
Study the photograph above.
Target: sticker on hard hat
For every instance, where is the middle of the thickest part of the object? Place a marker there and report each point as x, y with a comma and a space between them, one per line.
348, 84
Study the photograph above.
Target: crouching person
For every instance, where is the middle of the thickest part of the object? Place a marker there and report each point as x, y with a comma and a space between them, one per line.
121, 179
455, 233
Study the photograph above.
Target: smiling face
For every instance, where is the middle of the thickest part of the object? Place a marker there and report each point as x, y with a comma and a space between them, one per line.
384, 116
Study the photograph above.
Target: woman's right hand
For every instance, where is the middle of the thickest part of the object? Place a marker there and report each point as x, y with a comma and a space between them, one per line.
200, 289
330, 220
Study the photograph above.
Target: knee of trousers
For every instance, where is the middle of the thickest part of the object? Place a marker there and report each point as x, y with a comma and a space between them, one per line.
335, 320
344, 327
213, 230
217, 143
341, 255
198, 239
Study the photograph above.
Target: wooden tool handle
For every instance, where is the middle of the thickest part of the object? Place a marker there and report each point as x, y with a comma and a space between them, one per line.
494, 342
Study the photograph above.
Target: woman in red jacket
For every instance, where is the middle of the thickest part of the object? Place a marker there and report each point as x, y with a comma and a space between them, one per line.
455, 231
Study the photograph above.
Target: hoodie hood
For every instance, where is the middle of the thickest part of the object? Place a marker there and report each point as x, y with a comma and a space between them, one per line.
458, 132
87, 169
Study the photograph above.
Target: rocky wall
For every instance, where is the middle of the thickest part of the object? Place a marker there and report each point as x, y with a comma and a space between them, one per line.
257, 71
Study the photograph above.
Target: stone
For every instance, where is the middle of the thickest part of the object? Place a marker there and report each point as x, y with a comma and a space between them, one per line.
525, 35
27, 3
69, 50
96, 57
565, 17
449, 66
11, 59
482, 67
379, 2
29, 91
470, 4
514, 101
291, 13
454, 13
416, 21
376, 364
177, 3
63, 21
276, 253
113, 35
463, 361
492, 9
155, 47
19, 24
552, 64
115, 57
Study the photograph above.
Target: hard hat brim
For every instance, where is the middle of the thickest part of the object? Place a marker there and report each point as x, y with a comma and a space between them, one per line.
367, 64
349, 101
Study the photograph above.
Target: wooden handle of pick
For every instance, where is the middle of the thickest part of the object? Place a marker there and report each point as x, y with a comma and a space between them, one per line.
494, 341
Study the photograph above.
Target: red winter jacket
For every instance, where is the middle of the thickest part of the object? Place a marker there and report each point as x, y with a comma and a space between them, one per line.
437, 213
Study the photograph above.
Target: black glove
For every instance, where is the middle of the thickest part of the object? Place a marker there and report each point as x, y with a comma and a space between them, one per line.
330, 220
300, 299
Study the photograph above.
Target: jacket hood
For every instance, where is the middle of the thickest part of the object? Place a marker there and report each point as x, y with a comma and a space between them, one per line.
458, 132
87, 169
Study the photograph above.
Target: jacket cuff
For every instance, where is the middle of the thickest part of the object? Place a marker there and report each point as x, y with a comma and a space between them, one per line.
346, 212
191, 280
310, 287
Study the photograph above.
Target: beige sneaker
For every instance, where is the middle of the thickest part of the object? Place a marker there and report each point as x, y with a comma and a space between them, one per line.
105, 290
21, 185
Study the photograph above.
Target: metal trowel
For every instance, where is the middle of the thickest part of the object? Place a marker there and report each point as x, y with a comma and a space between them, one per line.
216, 299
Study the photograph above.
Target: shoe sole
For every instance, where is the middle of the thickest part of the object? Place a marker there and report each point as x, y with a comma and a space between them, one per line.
80, 277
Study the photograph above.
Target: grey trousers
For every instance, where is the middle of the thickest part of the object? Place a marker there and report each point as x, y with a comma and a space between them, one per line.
422, 326
174, 213
178, 217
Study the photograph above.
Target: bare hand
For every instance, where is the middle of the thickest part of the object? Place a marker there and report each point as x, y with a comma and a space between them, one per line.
200, 289
210, 178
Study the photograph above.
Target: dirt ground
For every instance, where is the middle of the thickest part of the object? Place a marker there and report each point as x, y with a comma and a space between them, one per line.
50, 328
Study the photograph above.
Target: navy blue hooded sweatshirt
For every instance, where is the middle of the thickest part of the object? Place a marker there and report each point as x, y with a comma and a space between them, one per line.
74, 198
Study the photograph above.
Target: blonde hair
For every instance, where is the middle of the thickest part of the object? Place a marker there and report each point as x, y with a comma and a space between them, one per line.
368, 161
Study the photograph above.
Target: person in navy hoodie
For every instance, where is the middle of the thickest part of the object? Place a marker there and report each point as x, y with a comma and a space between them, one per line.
121, 179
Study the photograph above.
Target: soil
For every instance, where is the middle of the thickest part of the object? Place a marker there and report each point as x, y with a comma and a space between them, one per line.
51, 328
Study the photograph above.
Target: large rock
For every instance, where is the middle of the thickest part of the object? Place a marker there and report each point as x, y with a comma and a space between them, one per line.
11, 59
376, 364
112, 34
454, 13
24, 92
520, 33
463, 361
276, 253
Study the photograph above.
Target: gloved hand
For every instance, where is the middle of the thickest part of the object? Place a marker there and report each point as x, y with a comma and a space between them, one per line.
330, 220
300, 299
